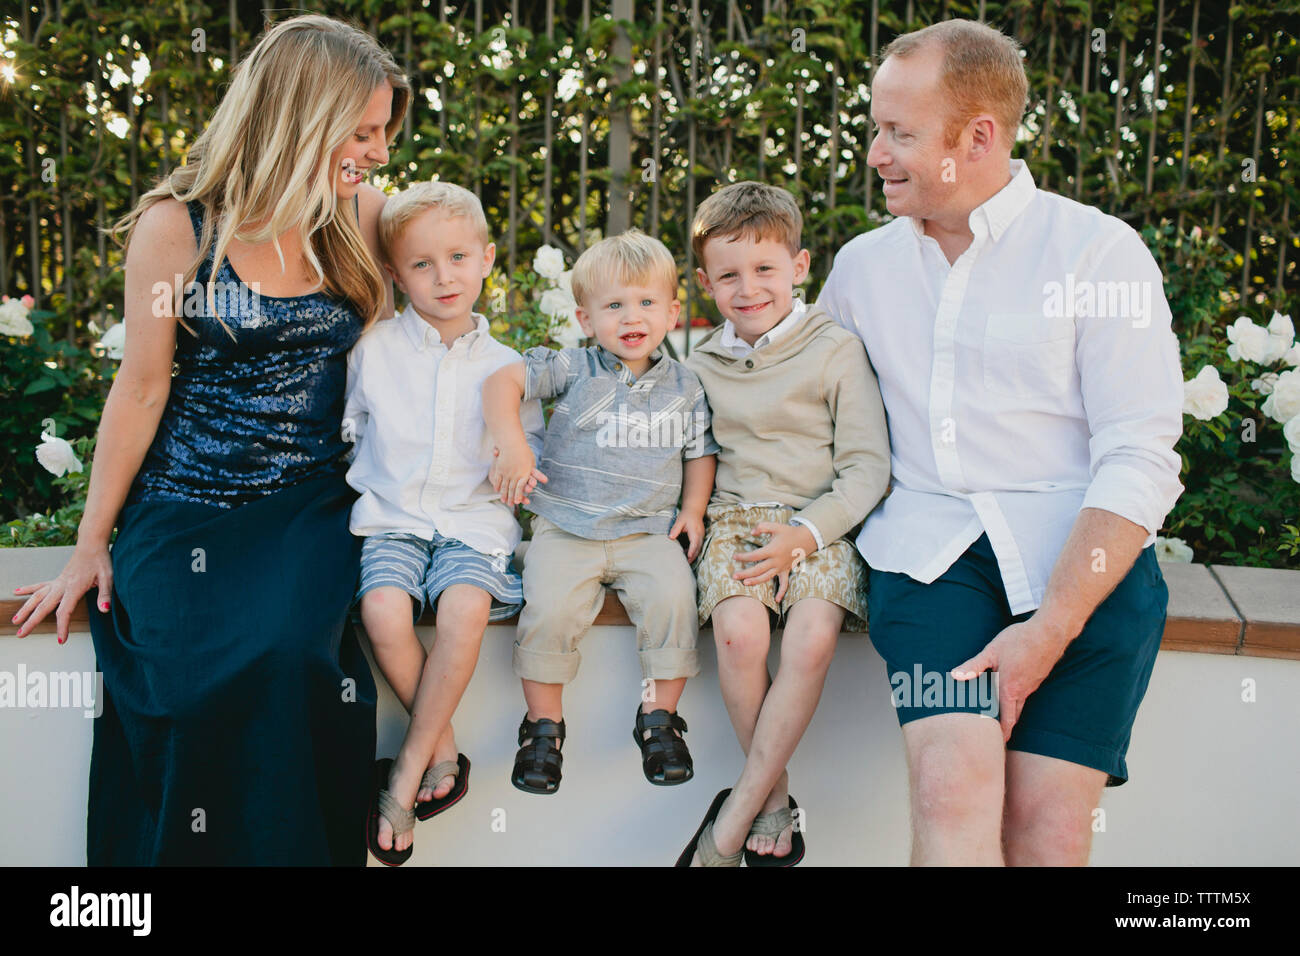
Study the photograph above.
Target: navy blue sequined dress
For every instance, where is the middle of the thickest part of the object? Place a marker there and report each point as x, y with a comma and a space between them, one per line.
239, 713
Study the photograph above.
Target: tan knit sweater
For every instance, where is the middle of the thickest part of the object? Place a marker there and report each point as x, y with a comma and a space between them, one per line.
800, 421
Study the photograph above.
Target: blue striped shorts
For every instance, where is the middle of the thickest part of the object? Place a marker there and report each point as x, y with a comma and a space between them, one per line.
424, 569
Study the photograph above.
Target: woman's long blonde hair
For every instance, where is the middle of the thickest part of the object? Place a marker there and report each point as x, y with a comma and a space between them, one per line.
264, 157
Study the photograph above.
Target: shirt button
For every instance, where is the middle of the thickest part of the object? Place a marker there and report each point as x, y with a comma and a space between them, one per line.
749, 363
618, 366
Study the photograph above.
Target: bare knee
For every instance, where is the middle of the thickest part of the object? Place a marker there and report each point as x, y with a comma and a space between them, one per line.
953, 785
741, 631
386, 614
808, 643
1050, 810
463, 613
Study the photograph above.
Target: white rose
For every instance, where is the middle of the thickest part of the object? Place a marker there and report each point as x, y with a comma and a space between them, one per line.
1264, 384
569, 334
1284, 402
548, 262
556, 303
1173, 549
1291, 432
56, 455
1205, 396
1249, 341
114, 341
1281, 336
1292, 356
566, 281
1295, 468
13, 318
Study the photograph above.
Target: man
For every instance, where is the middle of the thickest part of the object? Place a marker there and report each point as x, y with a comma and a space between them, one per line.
1034, 395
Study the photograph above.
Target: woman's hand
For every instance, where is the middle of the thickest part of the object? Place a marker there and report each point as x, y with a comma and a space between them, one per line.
89, 566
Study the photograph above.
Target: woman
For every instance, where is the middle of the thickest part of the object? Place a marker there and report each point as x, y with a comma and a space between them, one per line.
238, 722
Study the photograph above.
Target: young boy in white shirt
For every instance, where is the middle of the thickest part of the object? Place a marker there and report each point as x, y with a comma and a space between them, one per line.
436, 534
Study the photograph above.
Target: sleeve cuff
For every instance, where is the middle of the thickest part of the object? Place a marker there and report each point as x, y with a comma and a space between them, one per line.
817, 535
1131, 494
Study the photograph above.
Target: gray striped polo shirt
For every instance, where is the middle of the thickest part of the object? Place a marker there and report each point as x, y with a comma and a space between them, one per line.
615, 444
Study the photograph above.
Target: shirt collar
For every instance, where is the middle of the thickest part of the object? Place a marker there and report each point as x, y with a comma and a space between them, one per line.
996, 214
423, 335
729, 339
618, 368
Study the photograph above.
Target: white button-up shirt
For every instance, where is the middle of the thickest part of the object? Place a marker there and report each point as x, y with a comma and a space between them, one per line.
414, 409
738, 347
1035, 376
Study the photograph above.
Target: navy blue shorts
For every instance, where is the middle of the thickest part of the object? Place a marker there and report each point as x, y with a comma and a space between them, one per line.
1083, 711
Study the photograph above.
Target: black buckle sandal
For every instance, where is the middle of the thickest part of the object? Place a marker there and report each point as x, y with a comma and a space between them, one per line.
537, 764
665, 758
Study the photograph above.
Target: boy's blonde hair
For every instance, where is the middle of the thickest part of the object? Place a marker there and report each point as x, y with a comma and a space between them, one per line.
630, 258
982, 73
748, 210
415, 200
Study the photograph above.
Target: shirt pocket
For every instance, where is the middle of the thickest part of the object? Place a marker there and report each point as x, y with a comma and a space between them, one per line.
1028, 354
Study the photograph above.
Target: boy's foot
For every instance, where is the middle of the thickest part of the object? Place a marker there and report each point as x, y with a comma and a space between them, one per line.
726, 842
446, 781
665, 758
382, 827
538, 761
765, 845
385, 838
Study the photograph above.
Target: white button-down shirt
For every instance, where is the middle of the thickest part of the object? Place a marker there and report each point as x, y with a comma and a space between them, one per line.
414, 409
1035, 376
738, 347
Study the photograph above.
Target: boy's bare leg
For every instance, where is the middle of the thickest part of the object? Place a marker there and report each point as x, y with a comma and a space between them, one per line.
544, 701
462, 618
666, 695
386, 614
807, 647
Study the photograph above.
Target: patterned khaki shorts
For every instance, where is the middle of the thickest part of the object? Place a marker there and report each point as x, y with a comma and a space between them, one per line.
835, 573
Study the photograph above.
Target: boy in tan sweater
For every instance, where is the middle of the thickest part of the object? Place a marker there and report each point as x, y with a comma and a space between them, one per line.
805, 456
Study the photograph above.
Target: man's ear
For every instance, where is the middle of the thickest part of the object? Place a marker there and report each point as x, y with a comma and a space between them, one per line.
984, 136
584, 321
489, 258
674, 312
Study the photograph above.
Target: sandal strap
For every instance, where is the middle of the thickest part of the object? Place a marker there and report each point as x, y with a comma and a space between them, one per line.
771, 824
400, 818
657, 719
708, 850
545, 727
443, 768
